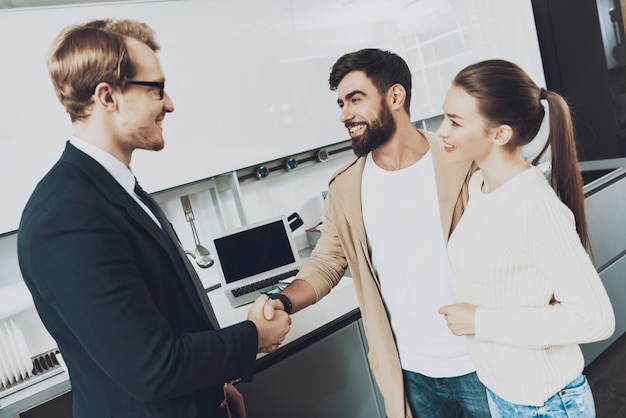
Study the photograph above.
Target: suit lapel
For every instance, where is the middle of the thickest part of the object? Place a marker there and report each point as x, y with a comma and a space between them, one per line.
114, 193
118, 197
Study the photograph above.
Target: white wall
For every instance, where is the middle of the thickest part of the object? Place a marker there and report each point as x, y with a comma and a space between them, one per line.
248, 77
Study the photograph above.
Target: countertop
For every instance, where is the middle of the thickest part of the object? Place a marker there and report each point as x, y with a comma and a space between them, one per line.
338, 303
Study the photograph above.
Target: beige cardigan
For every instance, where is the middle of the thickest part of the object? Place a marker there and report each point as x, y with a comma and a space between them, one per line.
343, 242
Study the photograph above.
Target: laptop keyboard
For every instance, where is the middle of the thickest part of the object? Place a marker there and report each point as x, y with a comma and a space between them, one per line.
243, 290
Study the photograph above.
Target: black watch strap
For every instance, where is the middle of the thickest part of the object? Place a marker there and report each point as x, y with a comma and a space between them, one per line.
284, 299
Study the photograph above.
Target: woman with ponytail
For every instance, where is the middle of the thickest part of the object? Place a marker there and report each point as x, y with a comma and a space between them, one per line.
530, 293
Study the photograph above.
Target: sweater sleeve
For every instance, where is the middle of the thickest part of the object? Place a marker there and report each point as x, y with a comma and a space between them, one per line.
583, 311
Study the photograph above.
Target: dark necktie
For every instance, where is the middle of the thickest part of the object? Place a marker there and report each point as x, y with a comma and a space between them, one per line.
169, 231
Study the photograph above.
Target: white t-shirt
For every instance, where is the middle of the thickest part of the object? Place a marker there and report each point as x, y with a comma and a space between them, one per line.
402, 222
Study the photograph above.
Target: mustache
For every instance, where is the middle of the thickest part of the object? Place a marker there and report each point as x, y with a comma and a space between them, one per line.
351, 124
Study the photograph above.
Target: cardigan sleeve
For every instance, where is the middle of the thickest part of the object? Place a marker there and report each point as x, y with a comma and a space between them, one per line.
327, 263
583, 311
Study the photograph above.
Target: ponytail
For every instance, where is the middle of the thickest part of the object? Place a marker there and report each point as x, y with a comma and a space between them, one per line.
566, 179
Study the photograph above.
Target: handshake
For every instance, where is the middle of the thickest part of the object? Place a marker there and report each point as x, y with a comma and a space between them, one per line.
272, 323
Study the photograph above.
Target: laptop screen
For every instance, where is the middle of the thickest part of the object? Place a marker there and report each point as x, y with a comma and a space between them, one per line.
254, 250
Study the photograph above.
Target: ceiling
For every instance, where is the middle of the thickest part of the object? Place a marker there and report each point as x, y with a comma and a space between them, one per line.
13, 4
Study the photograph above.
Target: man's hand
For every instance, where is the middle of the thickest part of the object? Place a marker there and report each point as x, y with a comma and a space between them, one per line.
270, 307
299, 292
271, 332
460, 317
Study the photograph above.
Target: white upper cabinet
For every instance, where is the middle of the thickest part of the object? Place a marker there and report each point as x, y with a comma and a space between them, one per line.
249, 78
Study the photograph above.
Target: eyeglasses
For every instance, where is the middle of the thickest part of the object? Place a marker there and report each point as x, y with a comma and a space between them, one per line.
159, 85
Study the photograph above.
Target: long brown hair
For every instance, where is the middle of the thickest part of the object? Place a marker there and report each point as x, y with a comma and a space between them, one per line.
505, 94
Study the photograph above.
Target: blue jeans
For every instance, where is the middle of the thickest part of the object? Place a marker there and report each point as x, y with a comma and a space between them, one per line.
449, 397
573, 401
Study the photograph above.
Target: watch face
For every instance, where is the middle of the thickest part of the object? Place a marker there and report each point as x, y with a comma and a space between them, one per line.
284, 300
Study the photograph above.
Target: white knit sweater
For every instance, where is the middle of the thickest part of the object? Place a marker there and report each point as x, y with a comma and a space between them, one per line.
513, 249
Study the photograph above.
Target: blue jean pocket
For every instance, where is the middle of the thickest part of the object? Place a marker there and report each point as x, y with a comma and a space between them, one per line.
573, 401
577, 399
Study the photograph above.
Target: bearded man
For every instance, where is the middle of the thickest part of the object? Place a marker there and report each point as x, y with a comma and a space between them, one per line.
388, 216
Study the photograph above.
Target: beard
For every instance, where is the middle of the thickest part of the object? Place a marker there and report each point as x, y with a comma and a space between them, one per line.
377, 132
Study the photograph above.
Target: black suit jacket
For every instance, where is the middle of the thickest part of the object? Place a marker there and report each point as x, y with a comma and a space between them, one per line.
119, 302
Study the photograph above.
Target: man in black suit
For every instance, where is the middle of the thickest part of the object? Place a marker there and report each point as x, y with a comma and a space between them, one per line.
106, 274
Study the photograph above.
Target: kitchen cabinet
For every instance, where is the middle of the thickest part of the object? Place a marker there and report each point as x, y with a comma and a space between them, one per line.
58, 407
606, 208
326, 376
248, 77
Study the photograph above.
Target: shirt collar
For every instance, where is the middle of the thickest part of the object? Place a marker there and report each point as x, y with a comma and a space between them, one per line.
120, 172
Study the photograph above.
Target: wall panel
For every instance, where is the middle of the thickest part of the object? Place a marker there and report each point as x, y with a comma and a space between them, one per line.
248, 77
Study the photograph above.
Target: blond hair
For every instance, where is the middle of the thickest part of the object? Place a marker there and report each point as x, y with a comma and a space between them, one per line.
82, 56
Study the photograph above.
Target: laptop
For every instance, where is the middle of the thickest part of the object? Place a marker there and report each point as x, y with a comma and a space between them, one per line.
254, 258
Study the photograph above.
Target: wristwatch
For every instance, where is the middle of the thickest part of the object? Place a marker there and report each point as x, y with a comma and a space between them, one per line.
284, 299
